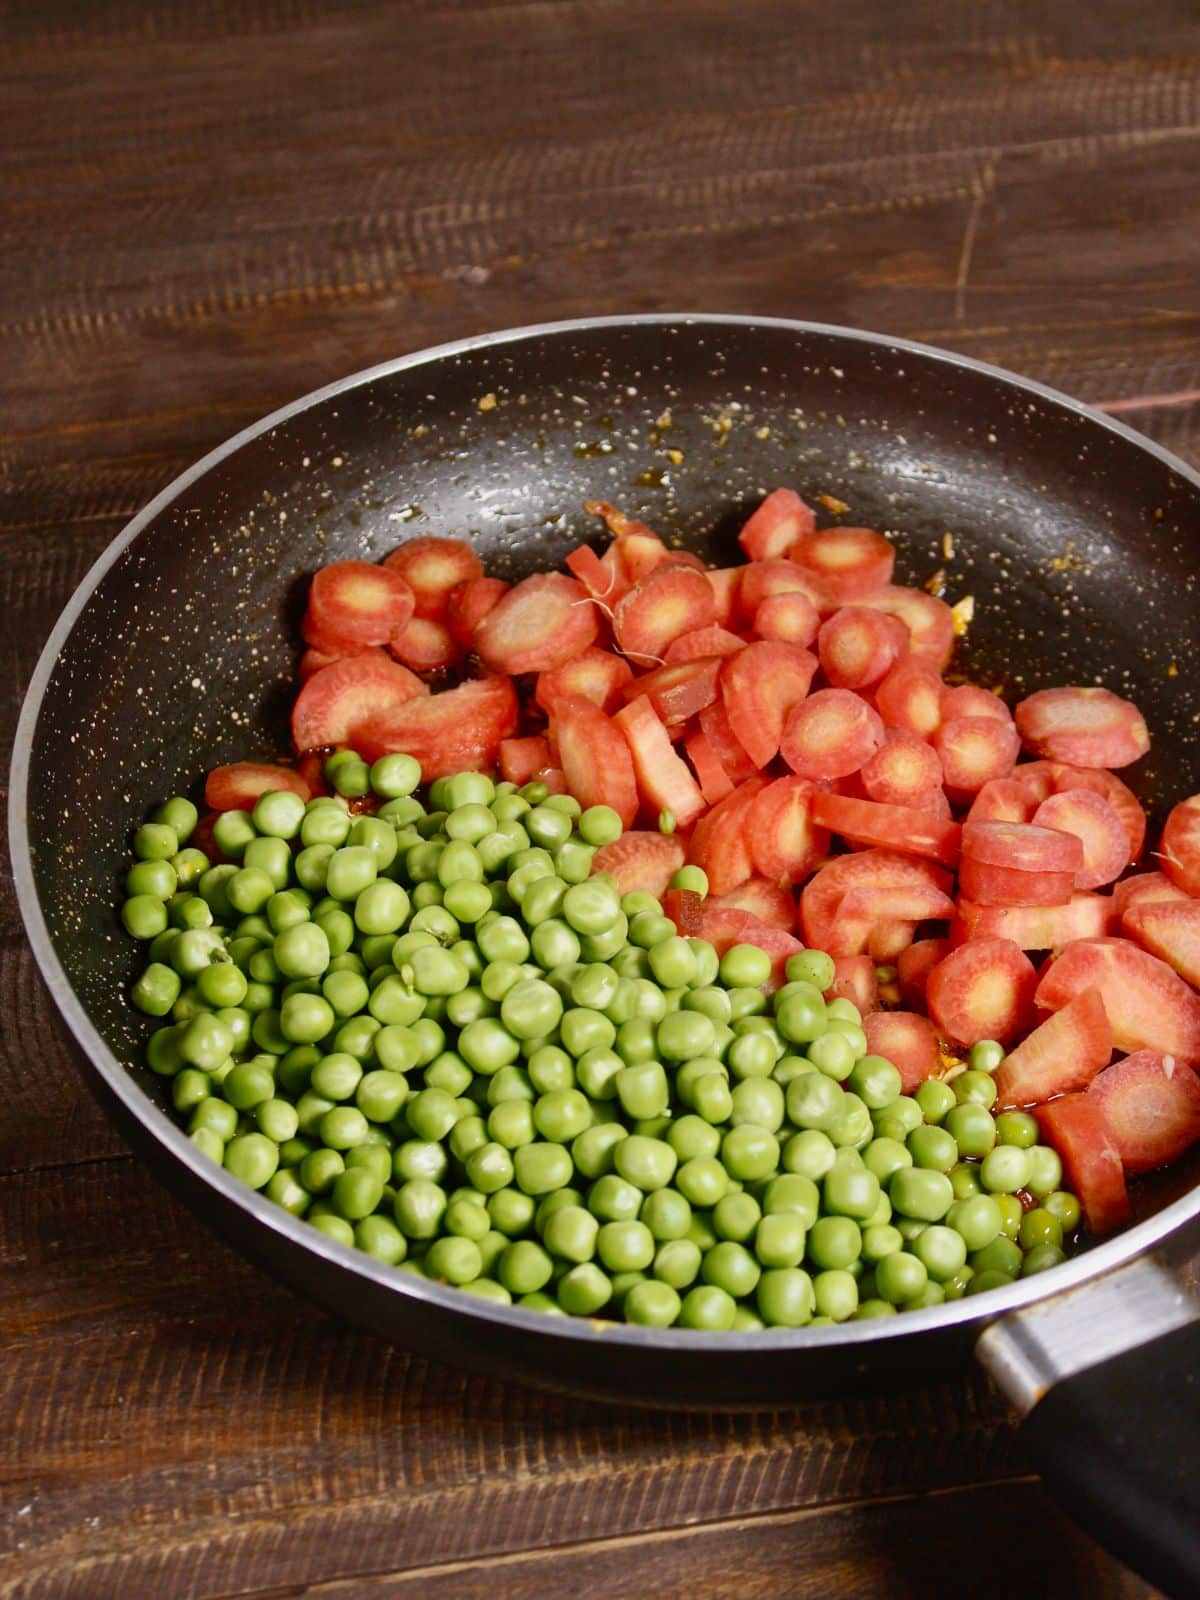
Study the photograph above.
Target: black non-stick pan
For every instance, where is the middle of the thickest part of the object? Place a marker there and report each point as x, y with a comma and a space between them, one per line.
1080, 542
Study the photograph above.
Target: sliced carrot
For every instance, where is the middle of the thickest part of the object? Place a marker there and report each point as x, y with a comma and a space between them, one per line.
1143, 888
670, 600
1181, 845
791, 618
858, 646
910, 697
762, 579
1088, 727
855, 979
713, 641
641, 860
598, 675
542, 622
773, 529
725, 583
1022, 845
890, 827
1003, 800
908, 1041
902, 771
663, 779
1150, 1006
876, 873
337, 699
914, 965
1098, 828
882, 921
715, 783
520, 759
725, 926
686, 910
333, 645
594, 756
714, 723
458, 730
1151, 1107
982, 990
434, 567
239, 786
930, 622
830, 734
312, 661
1084, 916
1171, 931
784, 841
974, 751
469, 603
1036, 778
357, 603
425, 645
720, 841
1061, 1054
969, 700
989, 885
681, 690
1066, 778
760, 685
764, 900
844, 563
1076, 1126
602, 576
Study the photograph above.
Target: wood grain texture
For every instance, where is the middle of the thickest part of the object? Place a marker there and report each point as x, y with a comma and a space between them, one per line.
207, 209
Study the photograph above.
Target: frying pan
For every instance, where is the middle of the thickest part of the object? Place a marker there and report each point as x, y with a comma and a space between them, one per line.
1078, 539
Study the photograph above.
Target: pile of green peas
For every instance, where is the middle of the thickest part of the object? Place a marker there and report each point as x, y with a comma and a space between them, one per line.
434, 1033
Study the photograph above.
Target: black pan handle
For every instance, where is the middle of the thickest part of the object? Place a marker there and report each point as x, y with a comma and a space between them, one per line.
1107, 1378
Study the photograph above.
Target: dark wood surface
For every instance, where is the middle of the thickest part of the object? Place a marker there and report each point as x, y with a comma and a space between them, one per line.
207, 209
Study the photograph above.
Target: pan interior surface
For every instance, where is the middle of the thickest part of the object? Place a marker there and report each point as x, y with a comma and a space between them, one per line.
1077, 542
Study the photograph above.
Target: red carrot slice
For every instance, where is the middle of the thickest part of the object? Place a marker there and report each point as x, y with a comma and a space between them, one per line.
663, 779
764, 900
1061, 1054
784, 842
238, 787
679, 691
914, 965
930, 622
844, 563
1098, 828
671, 600
542, 622
855, 979
876, 872
908, 1042
830, 734
1151, 1107
1108, 786
858, 646
974, 751
725, 583
357, 602
762, 579
720, 842
1003, 800
1022, 845
694, 646
686, 910
1076, 1126
1150, 1006
889, 827
725, 926
1087, 727
337, 699
602, 576
791, 618
520, 759
715, 783
1180, 851
434, 567
715, 724
598, 675
425, 645
773, 529
1171, 931
982, 990
312, 661
641, 860
882, 921
910, 697
458, 730
902, 771
332, 645
1037, 778
760, 685
470, 603
989, 885
312, 769
594, 757
1142, 889
969, 700
1084, 916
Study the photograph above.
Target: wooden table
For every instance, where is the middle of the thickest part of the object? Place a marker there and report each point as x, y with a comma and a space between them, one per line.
209, 209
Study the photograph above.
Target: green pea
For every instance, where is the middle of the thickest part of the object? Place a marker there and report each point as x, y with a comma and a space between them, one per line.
972, 1128
419, 1207
975, 1087
253, 1158
936, 1099
707, 1308
933, 1149
977, 1219
923, 1195
813, 967
809, 1154
986, 1056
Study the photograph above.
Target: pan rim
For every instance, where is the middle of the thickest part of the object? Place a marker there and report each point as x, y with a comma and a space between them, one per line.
965, 1313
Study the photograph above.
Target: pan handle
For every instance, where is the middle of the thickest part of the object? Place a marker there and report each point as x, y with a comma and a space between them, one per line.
1107, 1380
